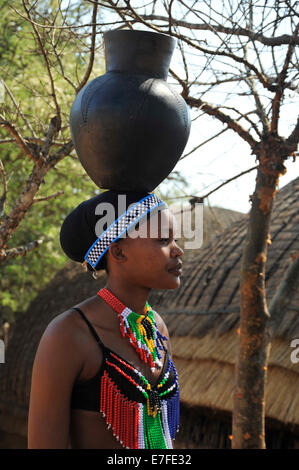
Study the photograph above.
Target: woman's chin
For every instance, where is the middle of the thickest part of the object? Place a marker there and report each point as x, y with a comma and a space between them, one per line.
176, 283
164, 282
173, 282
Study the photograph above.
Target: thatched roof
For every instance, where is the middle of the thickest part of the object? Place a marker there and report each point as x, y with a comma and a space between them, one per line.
202, 317
209, 298
215, 220
206, 369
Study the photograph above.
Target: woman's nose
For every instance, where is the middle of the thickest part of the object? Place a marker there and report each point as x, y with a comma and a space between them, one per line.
178, 251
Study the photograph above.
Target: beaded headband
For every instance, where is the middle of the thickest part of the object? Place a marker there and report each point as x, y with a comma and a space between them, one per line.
127, 220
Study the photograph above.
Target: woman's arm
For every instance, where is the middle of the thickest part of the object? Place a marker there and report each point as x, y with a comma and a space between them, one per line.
57, 364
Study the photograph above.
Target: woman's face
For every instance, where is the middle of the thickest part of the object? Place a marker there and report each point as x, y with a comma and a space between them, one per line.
152, 257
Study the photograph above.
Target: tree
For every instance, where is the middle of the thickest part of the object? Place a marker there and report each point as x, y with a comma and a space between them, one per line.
42, 69
245, 53
46, 56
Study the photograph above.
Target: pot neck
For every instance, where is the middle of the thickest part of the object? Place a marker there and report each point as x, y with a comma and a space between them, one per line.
142, 52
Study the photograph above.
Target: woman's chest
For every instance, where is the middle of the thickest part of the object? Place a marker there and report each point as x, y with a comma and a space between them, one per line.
120, 353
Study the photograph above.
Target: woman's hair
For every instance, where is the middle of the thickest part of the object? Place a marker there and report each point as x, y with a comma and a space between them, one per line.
78, 231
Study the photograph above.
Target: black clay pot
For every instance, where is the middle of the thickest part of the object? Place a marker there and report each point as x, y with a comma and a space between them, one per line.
129, 127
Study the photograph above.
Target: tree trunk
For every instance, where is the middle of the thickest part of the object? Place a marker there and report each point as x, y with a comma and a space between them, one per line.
254, 344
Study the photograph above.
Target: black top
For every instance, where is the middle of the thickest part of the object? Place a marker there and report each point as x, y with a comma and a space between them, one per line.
86, 395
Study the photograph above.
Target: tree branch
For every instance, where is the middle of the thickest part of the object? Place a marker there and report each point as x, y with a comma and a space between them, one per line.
60, 154
20, 141
52, 130
281, 80
254, 36
44, 54
19, 251
212, 137
12, 220
33, 140
203, 143
262, 78
92, 49
294, 136
67, 27
46, 198
19, 109
3, 197
201, 198
259, 107
224, 118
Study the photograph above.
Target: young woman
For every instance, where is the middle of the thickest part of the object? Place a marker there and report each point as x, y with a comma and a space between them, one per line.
103, 376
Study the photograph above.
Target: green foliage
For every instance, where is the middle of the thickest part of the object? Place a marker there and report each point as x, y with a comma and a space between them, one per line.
24, 71
29, 106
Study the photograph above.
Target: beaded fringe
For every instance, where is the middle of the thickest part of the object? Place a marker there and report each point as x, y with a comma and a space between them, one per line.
132, 426
122, 415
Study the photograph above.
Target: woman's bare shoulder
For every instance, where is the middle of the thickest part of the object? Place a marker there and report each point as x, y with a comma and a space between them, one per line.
63, 340
69, 322
69, 331
64, 325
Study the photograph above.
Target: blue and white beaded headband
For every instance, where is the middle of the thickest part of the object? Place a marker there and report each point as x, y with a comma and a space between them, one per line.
127, 220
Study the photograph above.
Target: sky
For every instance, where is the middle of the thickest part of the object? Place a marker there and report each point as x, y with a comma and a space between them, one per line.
228, 155
220, 160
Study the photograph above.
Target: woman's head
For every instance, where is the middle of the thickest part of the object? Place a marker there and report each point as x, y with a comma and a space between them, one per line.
129, 234
147, 254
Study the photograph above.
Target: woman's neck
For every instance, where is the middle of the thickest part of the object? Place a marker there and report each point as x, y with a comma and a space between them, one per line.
133, 297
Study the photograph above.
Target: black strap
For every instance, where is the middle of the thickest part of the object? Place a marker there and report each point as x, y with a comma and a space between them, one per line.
93, 331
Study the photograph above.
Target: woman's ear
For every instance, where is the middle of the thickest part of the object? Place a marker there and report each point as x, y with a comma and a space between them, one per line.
117, 252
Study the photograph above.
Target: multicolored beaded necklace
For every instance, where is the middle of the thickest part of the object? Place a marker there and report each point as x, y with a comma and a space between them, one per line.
141, 330
150, 420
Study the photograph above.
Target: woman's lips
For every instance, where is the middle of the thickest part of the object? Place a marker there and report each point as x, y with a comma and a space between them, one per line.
176, 271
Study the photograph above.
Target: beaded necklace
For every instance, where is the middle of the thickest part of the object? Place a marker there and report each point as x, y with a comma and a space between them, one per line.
147, 422
151, 419
141, 330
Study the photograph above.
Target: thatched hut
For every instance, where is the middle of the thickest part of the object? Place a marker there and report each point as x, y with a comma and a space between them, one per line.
70, 286
202, 317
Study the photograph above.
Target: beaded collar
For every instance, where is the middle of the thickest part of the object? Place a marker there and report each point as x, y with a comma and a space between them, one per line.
141, 330
149, 419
